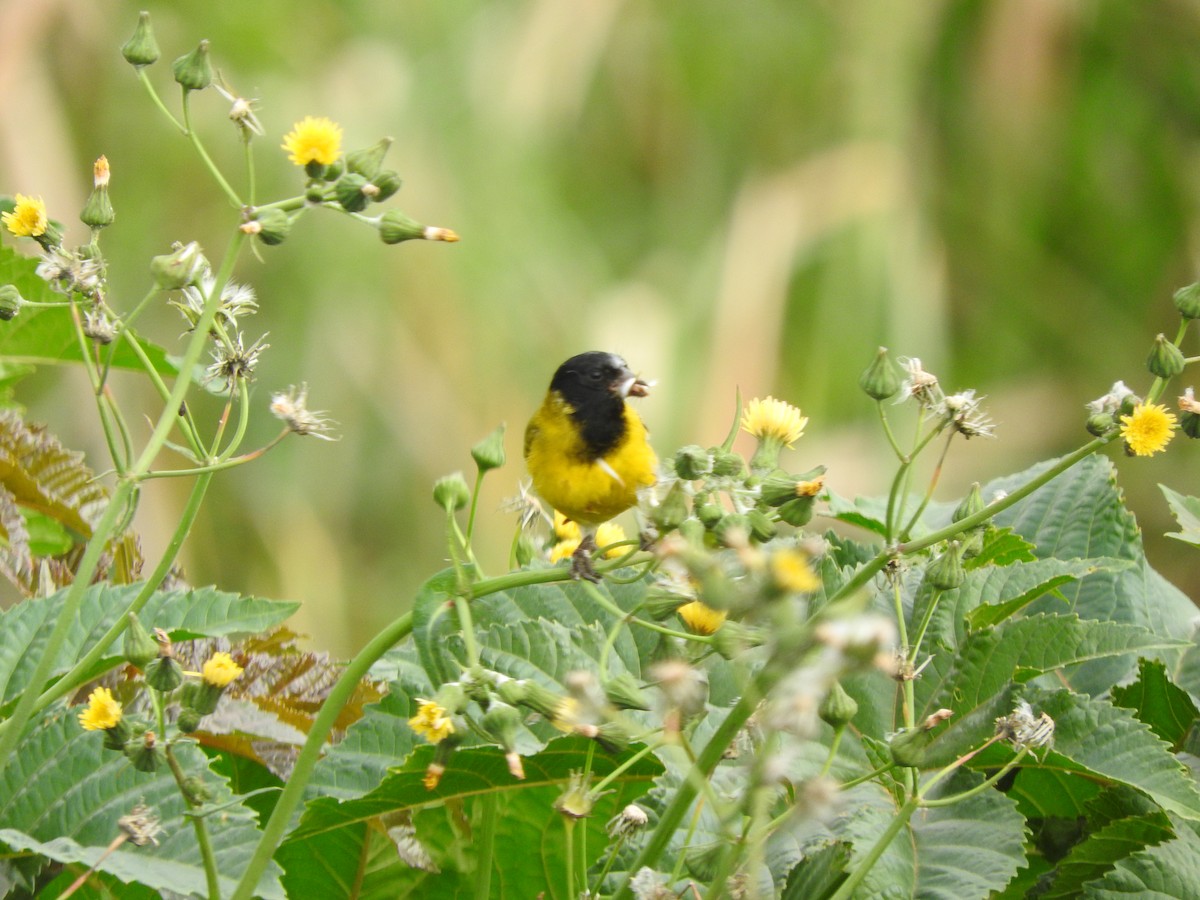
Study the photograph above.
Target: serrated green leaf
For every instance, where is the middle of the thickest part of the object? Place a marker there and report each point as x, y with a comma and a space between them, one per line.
62, 793
1003, 591
47, 536
869, 513
1167, 709
1049, 793
975, 685
1186, 511
358, 763
201, 612
1170, 869
1095, 855
1001, 548
818, 875
47, 336
529, 847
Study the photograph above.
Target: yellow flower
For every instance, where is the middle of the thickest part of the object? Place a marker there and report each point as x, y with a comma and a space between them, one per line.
608, 533
28, 218
774, 419
792, 573
565, 529
810, 488
701, 619
102, 712
431, 722
566, 714
1148, 429
220, 669
314, 139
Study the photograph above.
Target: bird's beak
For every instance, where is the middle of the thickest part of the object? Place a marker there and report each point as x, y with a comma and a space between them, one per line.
632, 386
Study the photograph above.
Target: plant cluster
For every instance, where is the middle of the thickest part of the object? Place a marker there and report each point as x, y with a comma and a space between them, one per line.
993, 696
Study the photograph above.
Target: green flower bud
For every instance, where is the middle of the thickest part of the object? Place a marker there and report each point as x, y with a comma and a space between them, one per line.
881, 379
838, 708
798, 512
1101, 423
141, 49
910, 746
395, 227
1189, 423
163, 674
733, 639
183, 266
144, 752
970, 505
945, 572
274, 226
188, 721
194, 71
692, 462
612, 736
501, 722
732, 530
1187, 301
1165, 360
451, 492
524, 692
10, 302
727, 464
387, 183
670, 514
349, 191
1129, 404
205, 697
624, 692
116, 737
451, 696
197, 790
369, 160
973, 543
762, 528
710, 514
98, 211
661, 602
314, 194
692, 530
489, 453
139, 645
527, 549
778, 489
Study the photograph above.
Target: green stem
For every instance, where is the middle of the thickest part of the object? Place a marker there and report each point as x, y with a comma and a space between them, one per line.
84, 669
185, 422
612, 607
874, 773
473, 507
200, 826
924, 626
67, 619
569, 826
902, 631
489, 806
887, 430
979, 788
146, 83
833, 749
933, 482
598, 788
205, 158
243, 421
310, 753
899, 821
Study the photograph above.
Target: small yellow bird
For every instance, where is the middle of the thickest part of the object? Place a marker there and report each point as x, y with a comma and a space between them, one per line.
586, 448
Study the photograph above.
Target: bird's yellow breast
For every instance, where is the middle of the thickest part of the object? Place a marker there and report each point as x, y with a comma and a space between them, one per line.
587, 490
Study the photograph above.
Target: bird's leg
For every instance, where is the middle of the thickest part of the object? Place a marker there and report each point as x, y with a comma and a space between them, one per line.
581, 559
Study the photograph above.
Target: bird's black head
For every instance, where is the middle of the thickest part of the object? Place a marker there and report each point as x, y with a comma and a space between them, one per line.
595, 384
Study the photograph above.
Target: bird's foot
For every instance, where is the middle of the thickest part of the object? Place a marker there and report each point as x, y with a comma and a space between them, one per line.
581, 560
647, 539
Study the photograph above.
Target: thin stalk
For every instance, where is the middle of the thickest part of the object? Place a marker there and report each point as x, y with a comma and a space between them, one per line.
489, 807
887, 431
310, 753
915, 649
833, 749
473, 507
611, 607
243, 420
146, 83
200, 826
933, 482
847, 888
186, 425
205, 158
598, 788
902, 631
569, 826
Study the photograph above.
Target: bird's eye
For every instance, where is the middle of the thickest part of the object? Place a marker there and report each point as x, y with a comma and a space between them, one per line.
595, 375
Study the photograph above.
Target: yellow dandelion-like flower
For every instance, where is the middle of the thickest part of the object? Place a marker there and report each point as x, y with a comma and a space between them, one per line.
1148, 429
566, 529
774, 419
811, 487
314, 139
608, 533
28, 218
701, 619
432, 722
220, 669
791, 572
566, 714
102, 711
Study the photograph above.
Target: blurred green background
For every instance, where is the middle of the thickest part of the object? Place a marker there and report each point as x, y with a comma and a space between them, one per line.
749, 195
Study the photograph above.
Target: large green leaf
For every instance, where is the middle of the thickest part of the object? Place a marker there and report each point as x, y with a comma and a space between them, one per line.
1170, 869
62, 793
1096, 855
1187, 513
1167, 709
201, 612
358, 762
47, 336
333, 836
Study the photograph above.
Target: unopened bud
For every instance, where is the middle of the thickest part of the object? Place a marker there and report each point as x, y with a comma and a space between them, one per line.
733, 530
970, 505
145, 752
98, 211
798, 512
188, 721
501, 722
451, 492
670, 514
349, 191
946, 572
838, 708
1101, 424
728, 464
368, 161
1165, 360
386, 183
163, 674
139, 647
194, 71
624, 692
274, 226
10, 302
692, 462
881, 379
1187, 301
762, 527
910, 746
733, 639
395, 227
183, 266
141, 49
489, 453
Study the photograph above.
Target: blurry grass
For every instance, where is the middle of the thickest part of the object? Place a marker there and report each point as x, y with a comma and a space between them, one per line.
748, 200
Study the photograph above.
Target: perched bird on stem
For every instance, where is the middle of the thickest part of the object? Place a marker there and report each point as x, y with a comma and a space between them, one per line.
586, 448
